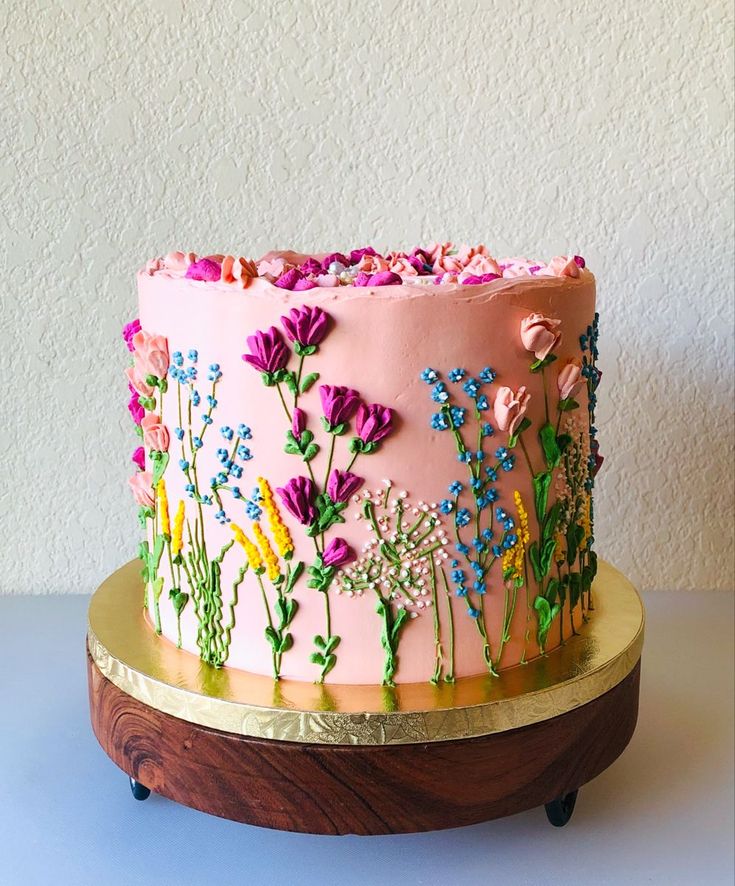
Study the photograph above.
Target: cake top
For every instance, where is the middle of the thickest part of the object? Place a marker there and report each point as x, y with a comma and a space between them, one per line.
437, 264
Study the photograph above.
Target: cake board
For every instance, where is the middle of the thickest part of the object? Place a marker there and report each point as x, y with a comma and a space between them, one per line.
338, 759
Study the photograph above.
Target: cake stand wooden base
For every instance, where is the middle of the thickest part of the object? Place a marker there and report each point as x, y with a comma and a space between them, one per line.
368, 789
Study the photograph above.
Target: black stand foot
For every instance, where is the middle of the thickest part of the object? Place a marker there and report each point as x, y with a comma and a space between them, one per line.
140, 792
560, 811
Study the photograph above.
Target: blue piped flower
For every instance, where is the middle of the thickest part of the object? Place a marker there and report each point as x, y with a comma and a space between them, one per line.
492, 474
507, 464
491, 494
462, 517
465, 457
461, 591
457, 374
236, 492
488, 375
197, 442
244, 432
236, 471
439, 393
227, 432
221, 477
179, 433
471, 387
429, 376
212, 401
501, 453
244, 453
253, 511
458, 415
473, 613
193, 355
177, 358
458, 576
222, 455
479, 586
482, 403
183, 464
462, 548
445, 506
487, 429
207, 419
455, 488
195, 398
191, 373
439, 422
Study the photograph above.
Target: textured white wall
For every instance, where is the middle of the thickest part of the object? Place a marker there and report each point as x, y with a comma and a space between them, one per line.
599, 126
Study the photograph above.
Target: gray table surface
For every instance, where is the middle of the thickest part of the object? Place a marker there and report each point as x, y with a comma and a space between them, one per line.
663, 813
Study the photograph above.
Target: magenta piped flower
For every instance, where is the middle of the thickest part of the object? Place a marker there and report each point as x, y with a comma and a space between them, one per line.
338, 553
129, 330
298, 497
342, 485
304, 284
373, 423
306, 326
357, 254
268, 351
339, 404
134, 408
311, 266
204, 269
579, 261
336, 256
138, 458
385, 278
362, 279
289, 279
298, 423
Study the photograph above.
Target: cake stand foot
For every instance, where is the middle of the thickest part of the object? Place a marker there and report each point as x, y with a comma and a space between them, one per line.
559, 811
140, 792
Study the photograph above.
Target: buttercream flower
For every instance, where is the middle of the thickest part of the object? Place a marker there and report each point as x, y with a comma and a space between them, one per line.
204, 269
357, 254
561, 266
138, 458
151, 354
437, 250
306, 325
482, 264
539, 335
273, 268
374, 422
298, 423
332, 257
450, 263
509, 408
129, 330
339, 403
362, 279
268, 351
466, 253
137, 382
311, 266
134, 408
327, 280
338, 553
569, 380
298, 497
155, 435
238, 270
289, 279
141, 486
385, 278
372, 264
303, 284
342, 485
404, 264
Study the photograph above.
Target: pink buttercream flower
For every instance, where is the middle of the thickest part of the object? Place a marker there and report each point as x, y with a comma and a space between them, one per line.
151, 354
339, 403
155, 435
404, 264
482, 264
241, 271
289, 279
204, 269
451, 263
141, 487
138, 458
563, 266
374, 422
539, 334
273, 268
137, 382
338, 553
437, 250
509, 408
298, 423
569, 380
372, 264
466, 253
298, 497
268, 351
306, 325
129, 330
342, 485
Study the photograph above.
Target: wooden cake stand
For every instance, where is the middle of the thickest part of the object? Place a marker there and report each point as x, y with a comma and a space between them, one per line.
340, 759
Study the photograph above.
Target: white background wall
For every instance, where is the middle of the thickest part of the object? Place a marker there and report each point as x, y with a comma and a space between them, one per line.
536, 127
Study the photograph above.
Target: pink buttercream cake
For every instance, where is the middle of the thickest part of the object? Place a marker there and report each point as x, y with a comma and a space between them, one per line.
366, 468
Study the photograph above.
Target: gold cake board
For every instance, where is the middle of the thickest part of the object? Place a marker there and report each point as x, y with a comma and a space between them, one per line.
344, 759
153, 671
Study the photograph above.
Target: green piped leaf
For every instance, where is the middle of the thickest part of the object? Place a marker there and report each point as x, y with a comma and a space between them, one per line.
538, 365
547, 437
514, 437
541, 484
160, 461
308, 380
568, 405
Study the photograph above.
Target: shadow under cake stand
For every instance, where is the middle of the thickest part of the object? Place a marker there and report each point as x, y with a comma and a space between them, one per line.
339, 759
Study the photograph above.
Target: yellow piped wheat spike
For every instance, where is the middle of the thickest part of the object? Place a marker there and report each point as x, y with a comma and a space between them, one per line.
255, 561
162, 498
271, 561
177, 536
278, 528
585, 522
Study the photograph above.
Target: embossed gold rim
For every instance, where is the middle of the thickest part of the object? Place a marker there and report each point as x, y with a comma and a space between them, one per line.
153, 671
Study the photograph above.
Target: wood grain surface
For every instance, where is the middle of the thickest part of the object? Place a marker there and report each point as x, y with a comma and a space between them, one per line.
325, 789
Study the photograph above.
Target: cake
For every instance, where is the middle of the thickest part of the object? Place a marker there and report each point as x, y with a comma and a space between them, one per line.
365, 468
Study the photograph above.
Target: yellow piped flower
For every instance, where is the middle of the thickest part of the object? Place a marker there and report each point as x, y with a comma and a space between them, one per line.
177, 537
278, 528
513, 558
585, 522
269, 556
255, 561
163, 507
